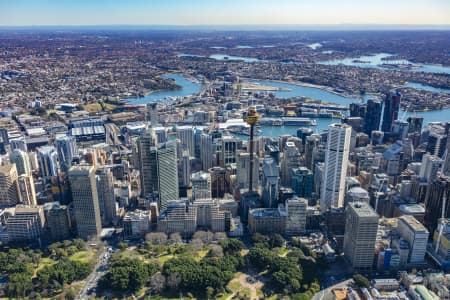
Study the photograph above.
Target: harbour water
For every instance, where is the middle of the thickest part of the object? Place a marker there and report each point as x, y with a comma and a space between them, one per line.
190, 88
376, 61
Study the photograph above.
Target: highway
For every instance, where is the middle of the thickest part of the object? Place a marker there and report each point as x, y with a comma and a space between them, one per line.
100, 269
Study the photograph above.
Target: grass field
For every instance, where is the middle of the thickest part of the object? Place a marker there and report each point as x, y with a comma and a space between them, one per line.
83, 256
43, 263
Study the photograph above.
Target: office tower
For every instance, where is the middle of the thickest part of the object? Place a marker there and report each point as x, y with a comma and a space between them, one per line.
416, 235
229, 150
296, 216
358, 110
161, 134
85, 201
178, 217
206, 152
18, 143
67, 150
361, 225
22, 161
391, 109
152, 114
429, 168
441, 243
373, 116
335, 168
58, 221
401, 129
48, 162
197, 142
218, 182
291, 160
303, 133
9, 186
302, 181
242, 170
186, 136
270, 179
106, 198
312, 142
434, 199
147, 164
4, 135
446, 157
167, 174
201, 186
437, 141
26, 224
415, 124
27, 192
185, 168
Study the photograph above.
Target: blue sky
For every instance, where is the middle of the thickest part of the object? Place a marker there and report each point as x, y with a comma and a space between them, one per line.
222, 12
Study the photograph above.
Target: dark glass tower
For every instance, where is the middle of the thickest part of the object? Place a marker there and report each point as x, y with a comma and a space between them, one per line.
373, 116
391, 108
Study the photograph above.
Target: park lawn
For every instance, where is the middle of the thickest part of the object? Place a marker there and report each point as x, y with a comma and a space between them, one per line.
162, 259
93, 107
43, 263
283, 251
200, 254
83, 256
109, 107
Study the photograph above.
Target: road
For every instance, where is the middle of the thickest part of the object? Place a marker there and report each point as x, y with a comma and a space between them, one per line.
100, 269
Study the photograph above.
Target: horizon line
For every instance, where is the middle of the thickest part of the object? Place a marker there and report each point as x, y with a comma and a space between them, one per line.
256, 26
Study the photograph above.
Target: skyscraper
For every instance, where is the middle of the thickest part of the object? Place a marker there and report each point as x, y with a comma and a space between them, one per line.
242, 167
26, 189
229, 150
147, 164
186, 136
270, 180
106, 198
85, 201
206, 152
167, 173
152, 113
373, 116
48, 162
391, 109
185, 168
434, 199
415, 124
335, 169
66, 147
9, 188
290, 161
22, 161
296, 216
361, 225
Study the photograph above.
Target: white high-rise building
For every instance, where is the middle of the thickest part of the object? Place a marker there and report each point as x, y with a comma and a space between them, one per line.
242, 173
9, 187
85, 201
229, 148
361, 226
291, 160
431, 164
201, 186
186, 136
417, 236
296, 216
335, 168
67, 150
48, 162
27, 191
167, 175
22, 161
185, 168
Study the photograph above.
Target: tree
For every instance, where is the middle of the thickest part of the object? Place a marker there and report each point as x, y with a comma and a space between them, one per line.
232, 246
361, 281
205, 236
276, 240
158, 282
122, 246
19, 285
209, 293
219, 236
158, 238
216, 251
175, 238
173, 280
